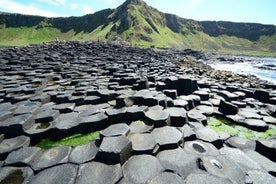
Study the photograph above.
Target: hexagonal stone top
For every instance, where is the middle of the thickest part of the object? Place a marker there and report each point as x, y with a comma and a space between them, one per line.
95, 172
142, 142
51, 157
62, 174
167, 135
115, 130
141, 168
11, 175
178, 160
207, 134
8, 145
114, 144
157, 118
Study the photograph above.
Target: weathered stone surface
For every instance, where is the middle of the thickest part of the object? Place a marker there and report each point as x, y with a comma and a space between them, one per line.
209, 135
220, 166
84, 153
167, 137
200, 148
22, 157
46, 116
178, 116
260, 177
143, 144
157, 118
116, 115
205, 178
141, 168
240, 158
115, 149
115, 130
65, 107
178, 161
255, 124
9, 145
140, 127
228, 108
27, 108
99, 173
135, 113
51, 157
241, 143
16, 175
267, 148
63, 174
196, 115
264, 162
165, 178
95, 122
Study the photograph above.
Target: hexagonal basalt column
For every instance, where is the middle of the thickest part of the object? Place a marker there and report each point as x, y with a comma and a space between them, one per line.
115, 149
115, 130
157, 118
143, 144
178, 116
167, 137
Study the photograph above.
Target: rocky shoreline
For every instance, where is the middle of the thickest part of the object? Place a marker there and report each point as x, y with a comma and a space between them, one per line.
152, 108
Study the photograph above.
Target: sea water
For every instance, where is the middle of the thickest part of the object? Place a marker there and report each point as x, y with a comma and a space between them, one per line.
263, 68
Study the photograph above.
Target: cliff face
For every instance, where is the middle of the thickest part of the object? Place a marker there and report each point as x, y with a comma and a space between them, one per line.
138, 23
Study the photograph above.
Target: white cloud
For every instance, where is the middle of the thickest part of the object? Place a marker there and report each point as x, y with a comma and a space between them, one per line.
30, 9
86, 9
54, 2
74, 6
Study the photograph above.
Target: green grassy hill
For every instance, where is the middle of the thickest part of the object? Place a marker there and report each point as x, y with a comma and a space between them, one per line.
141, 25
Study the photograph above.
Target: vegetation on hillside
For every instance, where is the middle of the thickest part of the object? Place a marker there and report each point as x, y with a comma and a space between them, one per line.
141, 25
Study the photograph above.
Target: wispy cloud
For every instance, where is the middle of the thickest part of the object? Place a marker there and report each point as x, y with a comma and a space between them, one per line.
54, 2
30, 9
74, 6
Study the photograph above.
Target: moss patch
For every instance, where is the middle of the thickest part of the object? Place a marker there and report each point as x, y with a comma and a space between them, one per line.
74, 140
220, 124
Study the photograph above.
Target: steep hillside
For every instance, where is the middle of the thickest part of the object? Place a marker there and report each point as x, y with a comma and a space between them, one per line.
136, 22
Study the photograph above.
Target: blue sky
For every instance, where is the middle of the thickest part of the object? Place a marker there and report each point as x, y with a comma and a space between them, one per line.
260, 11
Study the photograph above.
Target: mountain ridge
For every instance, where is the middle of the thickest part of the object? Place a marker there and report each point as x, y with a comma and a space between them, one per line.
136, 22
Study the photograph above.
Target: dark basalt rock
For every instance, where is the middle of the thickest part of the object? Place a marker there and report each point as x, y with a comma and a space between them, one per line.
261, 95
22, 157
115, 130
178, 161
62, 174
46, 116
5, 115
135, 113
9, 145
166, 177
84, 153
95, 122
204, 95
167, 137
16, 125
157, 118
255, 124
115, 150
51, 157
141, 168
267, 148
65, 107
116, 115
99, 173
170, 93
196, 115
143, 144
220, 166
27, 108
228, 108
16, 175
178, 116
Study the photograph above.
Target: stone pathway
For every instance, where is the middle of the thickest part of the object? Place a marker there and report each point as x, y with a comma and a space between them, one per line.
151, 113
